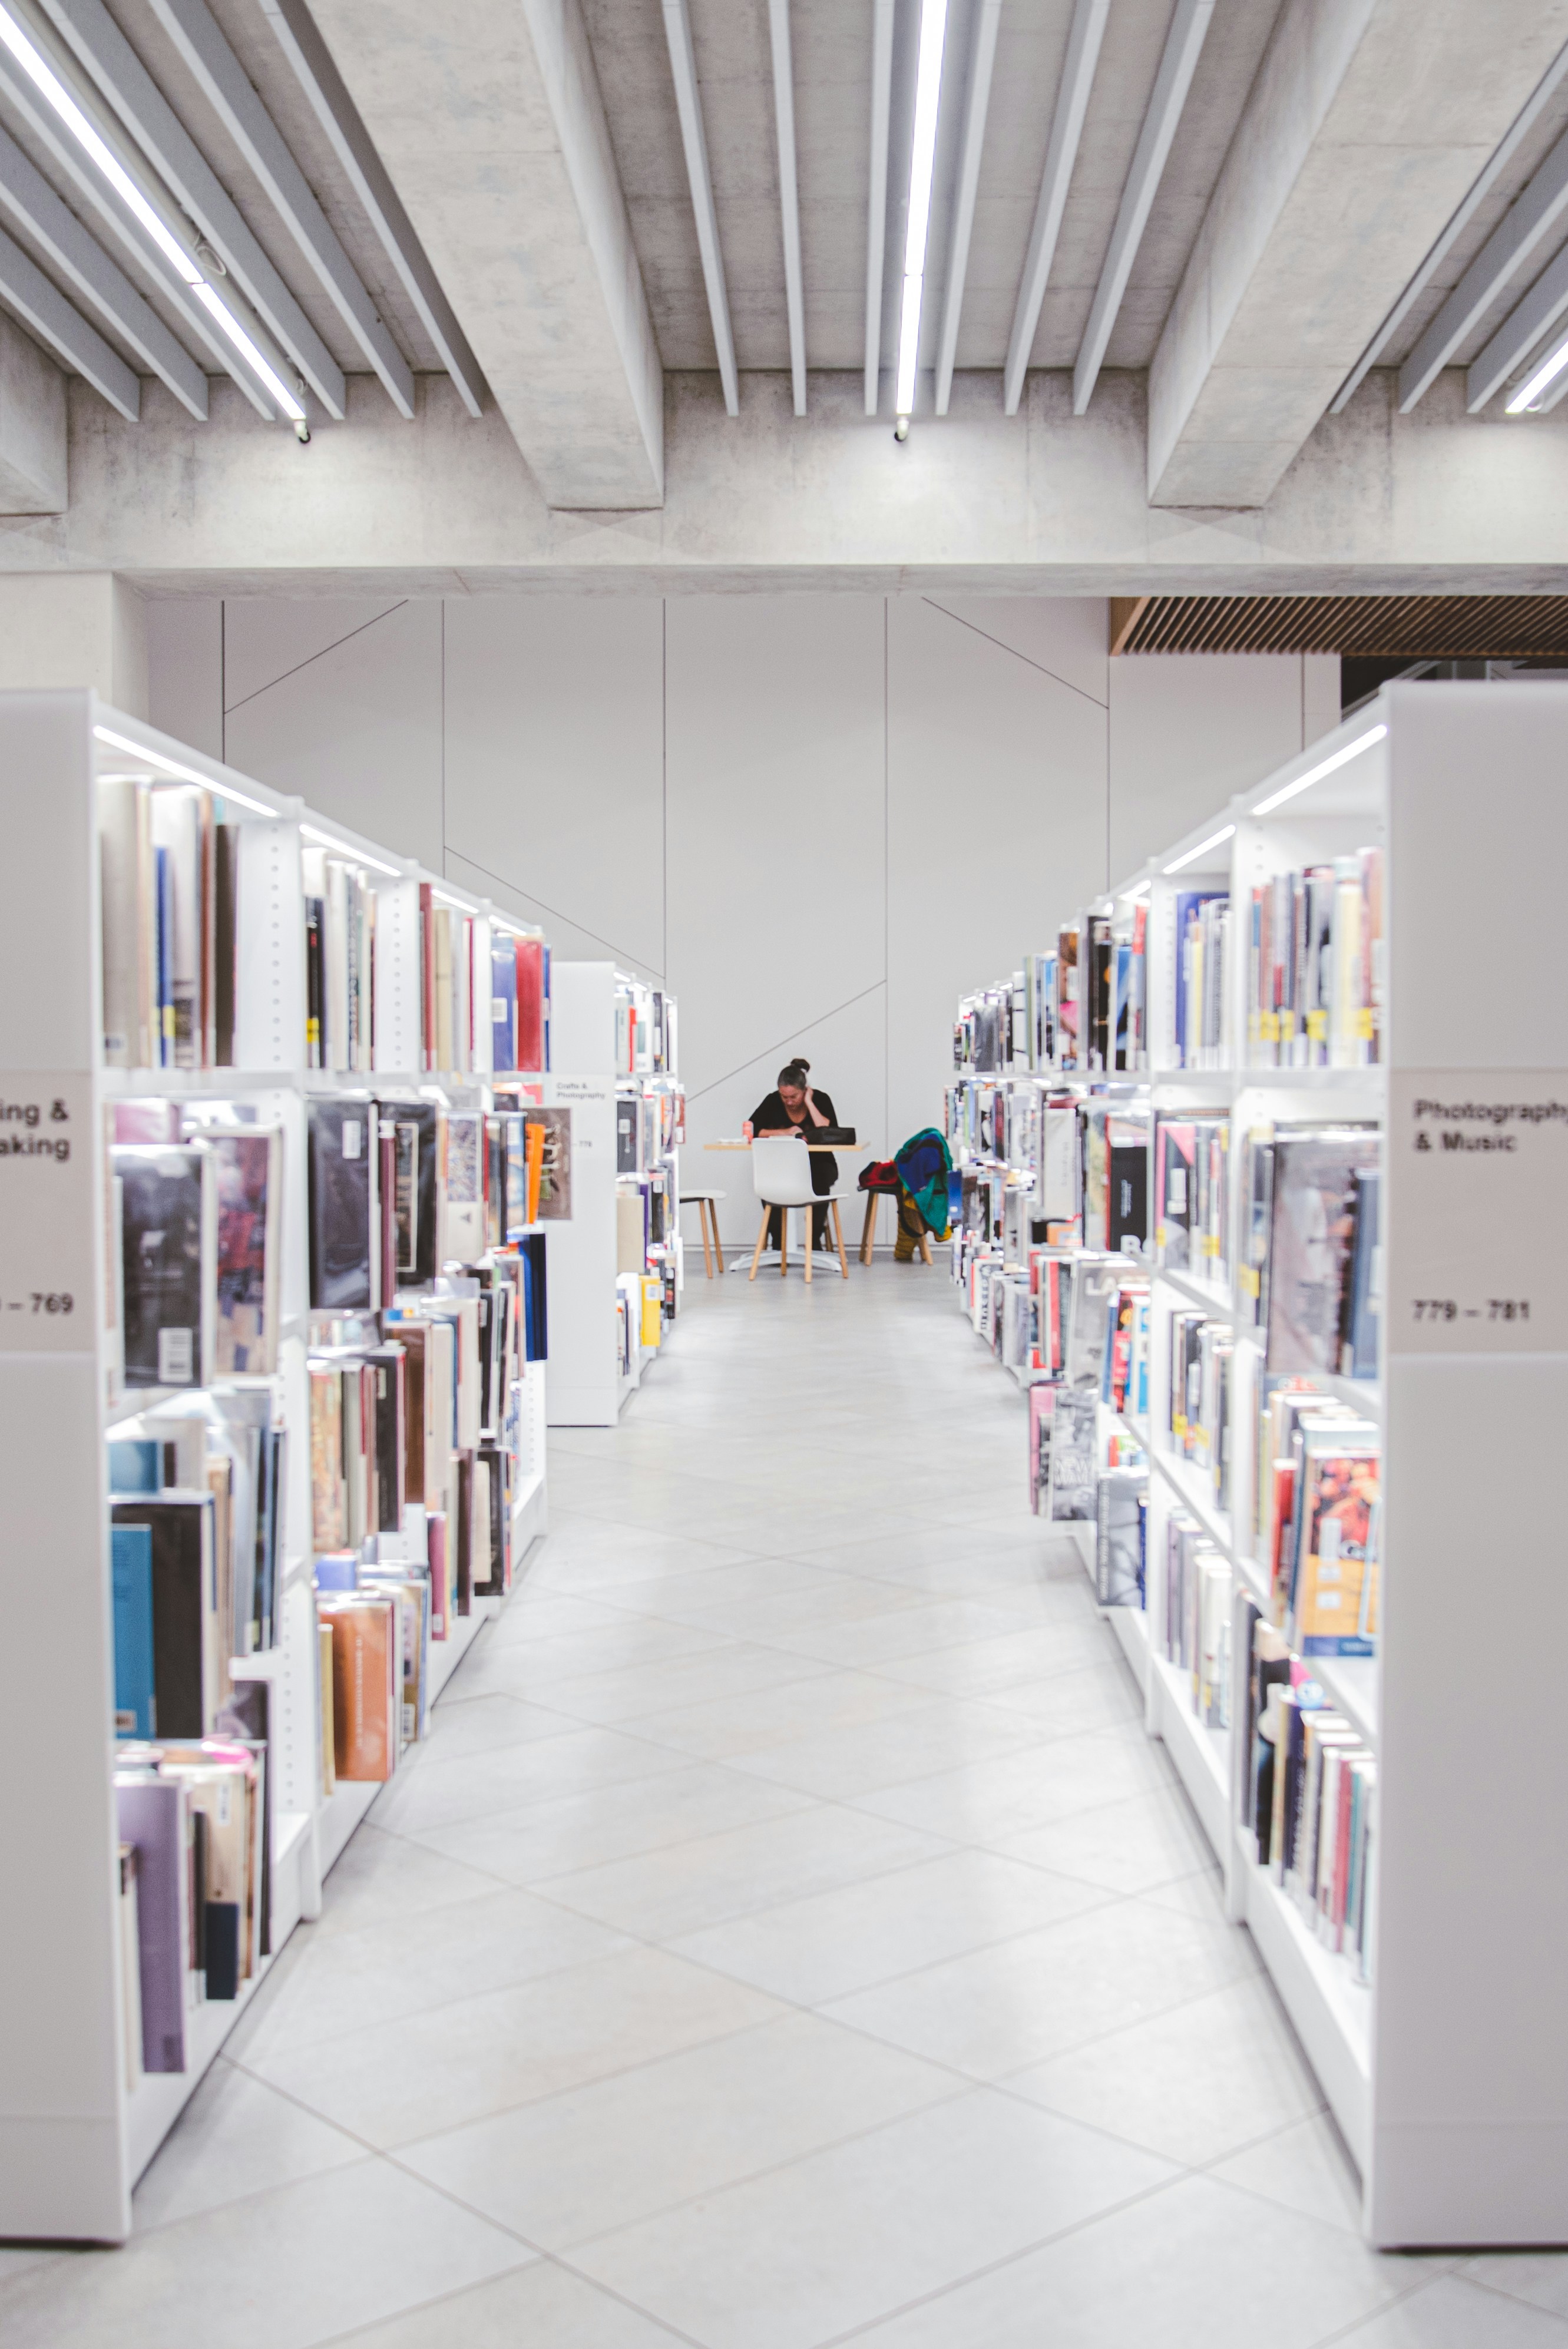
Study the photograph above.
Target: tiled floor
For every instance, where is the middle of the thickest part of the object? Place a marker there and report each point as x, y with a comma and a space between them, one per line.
787, 1937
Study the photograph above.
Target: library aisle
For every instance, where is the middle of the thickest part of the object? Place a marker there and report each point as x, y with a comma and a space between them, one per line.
788, 1936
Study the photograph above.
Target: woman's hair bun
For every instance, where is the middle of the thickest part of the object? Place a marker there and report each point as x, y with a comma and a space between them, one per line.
804, 1066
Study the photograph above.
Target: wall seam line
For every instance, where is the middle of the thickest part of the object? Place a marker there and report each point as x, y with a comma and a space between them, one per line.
310, 657
958, 621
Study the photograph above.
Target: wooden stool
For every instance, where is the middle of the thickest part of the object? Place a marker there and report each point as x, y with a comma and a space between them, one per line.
708, 1217
868, 1230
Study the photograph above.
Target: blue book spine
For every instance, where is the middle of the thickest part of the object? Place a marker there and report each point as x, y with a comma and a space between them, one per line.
165, 935
135, 1702
503, 1005
135, 1466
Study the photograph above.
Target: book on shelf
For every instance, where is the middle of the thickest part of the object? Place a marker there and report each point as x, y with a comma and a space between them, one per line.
1121, 1518
168, 1242
1073, 1453
1316, 1195
1316, 961
1201, 998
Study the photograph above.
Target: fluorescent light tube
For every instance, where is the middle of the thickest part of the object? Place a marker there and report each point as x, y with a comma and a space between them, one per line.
463, 904
922, 163
1551, 368
341, 848
181, 258
1202, 848
1315, 774
1139, 889
172, 766
230, 326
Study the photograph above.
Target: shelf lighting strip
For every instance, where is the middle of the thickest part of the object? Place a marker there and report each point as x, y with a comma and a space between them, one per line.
341, 848
1202, 848
182, 774
180, 257
1315, 774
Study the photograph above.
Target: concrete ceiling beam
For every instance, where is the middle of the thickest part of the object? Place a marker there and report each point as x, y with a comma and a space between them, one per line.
699, 176
1046, 503
876, 206
982, 63
1366, 124
488, 117
34, 462
37, 300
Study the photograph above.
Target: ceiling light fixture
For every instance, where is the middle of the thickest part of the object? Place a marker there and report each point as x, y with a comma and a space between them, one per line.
180, 257
1139, 889
1324, 767
1551, 368
1202, 848
922, 163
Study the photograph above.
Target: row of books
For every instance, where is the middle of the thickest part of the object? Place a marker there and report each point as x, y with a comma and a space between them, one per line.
1201, 1396
1315, 965
1319, 1512
197, 1542
1196, 1614
483, 989
645, 1043
1309, 1795
194, 1891
1193, 1196
648, 1125
1201, 1022
396, 1189
189, 928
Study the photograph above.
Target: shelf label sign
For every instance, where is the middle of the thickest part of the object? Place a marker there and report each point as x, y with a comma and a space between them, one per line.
46, 1214
1476, 1252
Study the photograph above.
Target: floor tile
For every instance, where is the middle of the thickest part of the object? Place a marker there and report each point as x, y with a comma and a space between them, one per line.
831, 1943
284, 2270
996, 2010
1451, 2312
701, 1882
1191, 2268
994, 1802
824, 1701
909, 1632
579, 2164
236, 2137
392, 2083
1195, 2084
835, 2240
730, 1669
1539, 2277
408, 1964
482, 1725
1150, 1839
540, 2307
546, 1840
911, 1744
379, 1875
435, 1790
1305, 2167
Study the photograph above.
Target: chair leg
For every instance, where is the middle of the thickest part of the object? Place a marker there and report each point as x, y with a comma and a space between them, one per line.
925, 1247
783, 1243
718, 1243
869, 1228
702, 1224
838, 1235
762, 1235
808, 1218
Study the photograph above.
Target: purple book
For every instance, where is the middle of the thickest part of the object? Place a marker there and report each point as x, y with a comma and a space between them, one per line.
152, 1817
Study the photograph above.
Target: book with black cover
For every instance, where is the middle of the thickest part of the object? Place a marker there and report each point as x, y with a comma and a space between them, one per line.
182, 1530
1073, 1450
169, 1262
626, 1127
247, 1165
1127, 1186
341, 1146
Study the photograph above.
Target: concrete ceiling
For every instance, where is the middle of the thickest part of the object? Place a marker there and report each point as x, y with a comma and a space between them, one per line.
1335, 170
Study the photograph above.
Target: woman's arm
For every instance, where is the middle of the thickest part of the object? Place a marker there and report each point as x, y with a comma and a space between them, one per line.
813, 1112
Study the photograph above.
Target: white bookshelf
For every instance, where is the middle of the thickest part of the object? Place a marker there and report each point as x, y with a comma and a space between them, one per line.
1448, 2074
73, 2138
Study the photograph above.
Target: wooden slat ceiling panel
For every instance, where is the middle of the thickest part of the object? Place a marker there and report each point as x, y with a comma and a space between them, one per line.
1448, 627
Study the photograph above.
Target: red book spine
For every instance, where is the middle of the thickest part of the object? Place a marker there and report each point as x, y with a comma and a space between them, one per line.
530, 1003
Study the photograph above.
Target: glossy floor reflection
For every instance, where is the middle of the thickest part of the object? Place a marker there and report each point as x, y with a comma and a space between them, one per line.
787, 1936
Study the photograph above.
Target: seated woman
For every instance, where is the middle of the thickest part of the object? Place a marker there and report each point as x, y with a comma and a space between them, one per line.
793, 1108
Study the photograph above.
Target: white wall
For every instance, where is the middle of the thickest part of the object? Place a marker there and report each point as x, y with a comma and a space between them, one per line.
76, 628
819, 818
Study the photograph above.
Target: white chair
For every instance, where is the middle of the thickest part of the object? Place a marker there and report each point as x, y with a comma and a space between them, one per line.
781, 1177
